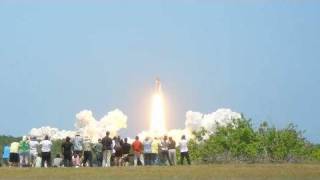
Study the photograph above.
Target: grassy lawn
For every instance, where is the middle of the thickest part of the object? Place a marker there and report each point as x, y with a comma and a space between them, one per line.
230, 172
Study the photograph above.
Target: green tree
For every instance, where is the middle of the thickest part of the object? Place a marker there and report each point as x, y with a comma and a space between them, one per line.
239, 141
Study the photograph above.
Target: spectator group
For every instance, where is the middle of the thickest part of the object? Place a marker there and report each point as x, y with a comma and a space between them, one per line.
82, 152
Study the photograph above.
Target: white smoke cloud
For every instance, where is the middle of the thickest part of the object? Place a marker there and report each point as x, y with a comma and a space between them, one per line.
195, 121
54, 133
84, 118
113, 121
87, 125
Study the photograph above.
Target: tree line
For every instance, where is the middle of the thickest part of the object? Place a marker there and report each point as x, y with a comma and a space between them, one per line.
239, 141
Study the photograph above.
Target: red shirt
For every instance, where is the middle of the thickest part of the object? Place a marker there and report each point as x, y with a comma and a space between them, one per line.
137, 146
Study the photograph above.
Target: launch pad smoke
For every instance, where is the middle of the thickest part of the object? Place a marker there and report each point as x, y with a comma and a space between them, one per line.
114, 121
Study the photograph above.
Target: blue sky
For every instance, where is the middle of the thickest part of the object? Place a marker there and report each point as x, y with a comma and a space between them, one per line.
261, 58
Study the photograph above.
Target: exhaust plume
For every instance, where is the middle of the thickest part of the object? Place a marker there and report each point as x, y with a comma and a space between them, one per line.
114, 121
87, 125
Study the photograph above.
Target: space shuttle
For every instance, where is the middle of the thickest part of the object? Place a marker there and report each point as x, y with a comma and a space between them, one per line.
158, 86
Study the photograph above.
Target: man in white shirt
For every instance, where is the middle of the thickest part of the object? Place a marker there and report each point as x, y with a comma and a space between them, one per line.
46, 151
34, 145
184, 152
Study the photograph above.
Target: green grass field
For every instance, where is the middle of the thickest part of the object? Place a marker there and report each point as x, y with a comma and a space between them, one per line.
223, 172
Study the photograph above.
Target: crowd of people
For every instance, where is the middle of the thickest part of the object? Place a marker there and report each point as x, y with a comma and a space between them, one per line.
81, 152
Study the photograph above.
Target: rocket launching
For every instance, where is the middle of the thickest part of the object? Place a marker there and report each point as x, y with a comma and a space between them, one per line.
157, 113
87, 125
158, 86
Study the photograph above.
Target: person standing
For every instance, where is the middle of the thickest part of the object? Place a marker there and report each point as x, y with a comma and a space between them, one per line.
46, 145
34, 145
107, 150
98, 152
118, 151
147, 151
78, 148
184, 152
137, 148
66, 150
172, 151
24, 151
165, 151
87, 154
155, 151
14, 154
112, 160
126, 151
6, 155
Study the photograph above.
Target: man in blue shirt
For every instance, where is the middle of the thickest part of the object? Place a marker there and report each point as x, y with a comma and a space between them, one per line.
147, 151
6, 155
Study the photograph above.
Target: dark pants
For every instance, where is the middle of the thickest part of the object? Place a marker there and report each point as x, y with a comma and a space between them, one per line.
67, 160
99, 158
154, 159
87, 156
46, 157
165, 157
147, 159
185, 155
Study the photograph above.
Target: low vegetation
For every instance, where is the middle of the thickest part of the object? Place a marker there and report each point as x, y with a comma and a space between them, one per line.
240, 142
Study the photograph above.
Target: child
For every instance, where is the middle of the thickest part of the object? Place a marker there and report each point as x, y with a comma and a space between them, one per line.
57, 162
38, 161
75, 160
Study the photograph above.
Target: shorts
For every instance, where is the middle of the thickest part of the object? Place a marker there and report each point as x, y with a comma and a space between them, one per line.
14, 157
